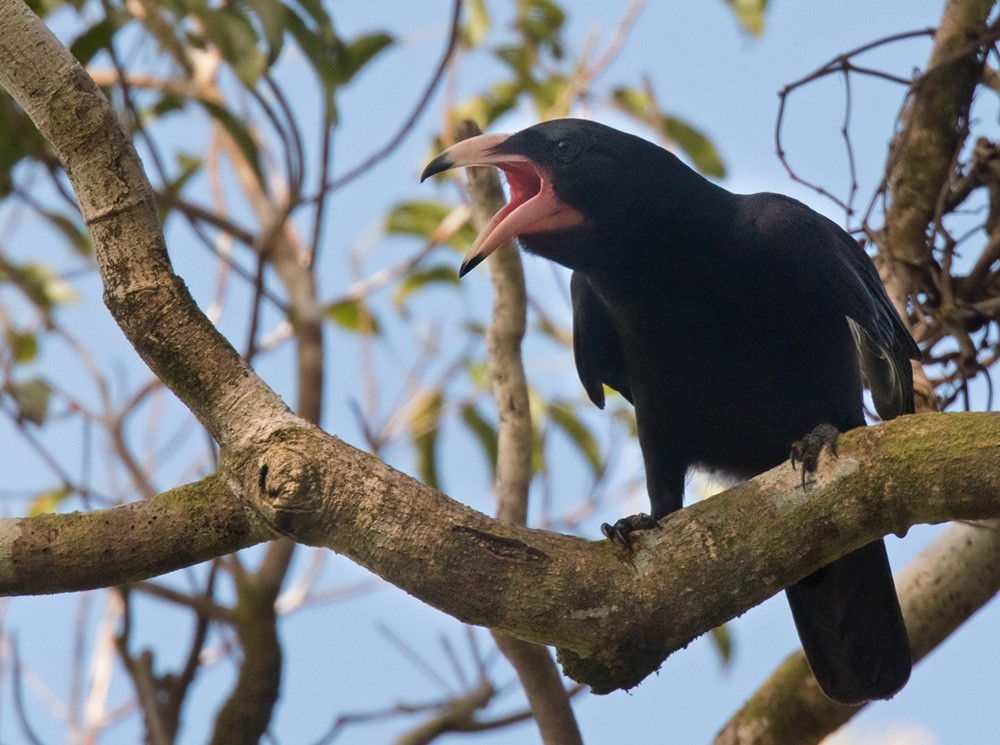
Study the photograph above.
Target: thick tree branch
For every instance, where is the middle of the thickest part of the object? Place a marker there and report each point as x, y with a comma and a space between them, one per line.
80, 551
245, 716
932, 131
952, 579
149, 302
616, 615
535, 667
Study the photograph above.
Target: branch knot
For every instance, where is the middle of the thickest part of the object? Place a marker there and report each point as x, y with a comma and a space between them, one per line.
289, 485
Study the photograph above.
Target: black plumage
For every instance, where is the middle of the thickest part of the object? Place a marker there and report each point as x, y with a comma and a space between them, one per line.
736, 324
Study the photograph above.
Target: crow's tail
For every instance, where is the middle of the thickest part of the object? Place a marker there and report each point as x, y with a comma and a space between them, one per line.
848, 618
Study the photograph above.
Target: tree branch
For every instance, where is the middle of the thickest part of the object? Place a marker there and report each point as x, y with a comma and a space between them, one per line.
245, 716
615, 615
922, 153
534, 665
943, 587
149, 302
81, 551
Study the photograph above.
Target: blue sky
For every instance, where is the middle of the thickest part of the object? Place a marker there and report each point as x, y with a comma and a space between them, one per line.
707, 71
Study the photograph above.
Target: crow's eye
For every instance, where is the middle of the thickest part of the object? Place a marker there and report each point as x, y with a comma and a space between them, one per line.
566, 150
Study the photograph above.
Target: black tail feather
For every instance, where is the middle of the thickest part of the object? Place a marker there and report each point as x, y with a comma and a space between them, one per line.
848, 618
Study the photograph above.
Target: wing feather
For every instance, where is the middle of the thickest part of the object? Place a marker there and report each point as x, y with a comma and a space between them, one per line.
596, 345
816, 245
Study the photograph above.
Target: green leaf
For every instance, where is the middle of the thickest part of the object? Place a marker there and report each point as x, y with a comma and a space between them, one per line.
540, 22
565, 418
42, 8
352, 315
323, 48
31, 398
19, 138
190, 165
502, 97
538, 442
234, 35
722, 640
38, 283
168, 103
240, 134
418, 280
548, 93
518, 58
76, 236
423, 219
486, 109
360, 52
273, 17
93, 40
23, 347
750, 14
479, 371
636, 102
478, 25
319, 16
697, 146
424, 424
48, 502
484, 432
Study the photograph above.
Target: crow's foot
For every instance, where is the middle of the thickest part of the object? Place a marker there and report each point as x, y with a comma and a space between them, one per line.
620, 531
807, 450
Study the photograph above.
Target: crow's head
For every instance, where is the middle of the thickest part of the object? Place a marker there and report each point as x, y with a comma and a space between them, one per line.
566, 176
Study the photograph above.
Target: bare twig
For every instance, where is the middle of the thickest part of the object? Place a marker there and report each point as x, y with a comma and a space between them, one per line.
534, 665
411, 120
147, 686
842, 63
202, 605
18, 686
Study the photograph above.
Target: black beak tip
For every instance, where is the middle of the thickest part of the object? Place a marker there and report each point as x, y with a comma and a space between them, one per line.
469, 265
436, 166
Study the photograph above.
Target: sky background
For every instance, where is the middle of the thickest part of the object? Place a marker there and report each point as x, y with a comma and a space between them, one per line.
704, 69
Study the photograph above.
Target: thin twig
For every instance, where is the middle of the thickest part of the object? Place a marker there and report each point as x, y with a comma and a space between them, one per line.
840, 64
19, 705
411, 120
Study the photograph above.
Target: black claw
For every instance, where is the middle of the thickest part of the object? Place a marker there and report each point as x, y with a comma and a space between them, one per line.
807, 450
620, 531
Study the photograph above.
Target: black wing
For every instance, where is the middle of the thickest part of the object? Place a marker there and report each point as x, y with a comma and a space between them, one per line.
883, 341
596, 346
840, 265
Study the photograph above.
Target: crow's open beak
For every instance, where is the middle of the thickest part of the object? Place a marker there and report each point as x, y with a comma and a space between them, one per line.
533, 207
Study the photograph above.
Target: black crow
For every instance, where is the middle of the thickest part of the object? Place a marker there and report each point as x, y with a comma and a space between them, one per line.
741, 328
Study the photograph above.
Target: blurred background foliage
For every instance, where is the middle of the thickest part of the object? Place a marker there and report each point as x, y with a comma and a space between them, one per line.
239, 110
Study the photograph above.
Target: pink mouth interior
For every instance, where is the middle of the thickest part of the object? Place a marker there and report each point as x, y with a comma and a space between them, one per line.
524, 182
533, 209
